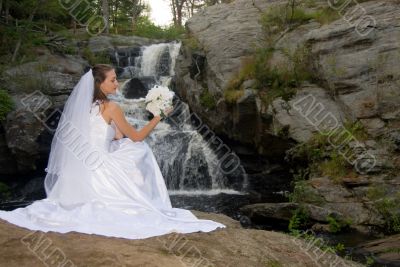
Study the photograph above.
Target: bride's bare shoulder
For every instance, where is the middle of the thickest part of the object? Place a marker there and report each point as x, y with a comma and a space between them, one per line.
113, 106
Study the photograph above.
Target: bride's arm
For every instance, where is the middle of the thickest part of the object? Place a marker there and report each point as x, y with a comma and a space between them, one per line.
118, 134
117, 115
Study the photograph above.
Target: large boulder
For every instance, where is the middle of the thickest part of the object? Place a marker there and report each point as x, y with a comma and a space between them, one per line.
384, 251
232, 246
39, 89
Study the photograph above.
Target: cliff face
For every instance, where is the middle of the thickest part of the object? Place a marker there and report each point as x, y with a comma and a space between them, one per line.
350, 72
356, 77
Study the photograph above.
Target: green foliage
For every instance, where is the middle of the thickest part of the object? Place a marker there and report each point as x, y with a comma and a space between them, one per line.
95, 58
302, 193
370, 261
284, 16
6, 104
144, 27
234, 90
50, 16
231, 96
5, 192
26, 82
387, 204
336, 226
192, 42
271, 81
299, 220
390, 210
207, 99
324, 151
311, 239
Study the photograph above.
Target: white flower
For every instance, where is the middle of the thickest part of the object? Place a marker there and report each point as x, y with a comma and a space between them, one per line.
158, 99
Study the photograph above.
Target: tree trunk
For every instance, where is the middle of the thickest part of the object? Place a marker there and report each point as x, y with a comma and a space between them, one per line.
7, 11
106, 14
1, 6
173, 12
23, 32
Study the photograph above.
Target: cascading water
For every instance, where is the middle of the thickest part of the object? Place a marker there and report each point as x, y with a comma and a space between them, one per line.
189, 166
185, 158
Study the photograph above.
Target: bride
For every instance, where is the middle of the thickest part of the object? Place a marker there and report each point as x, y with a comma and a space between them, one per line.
100, 182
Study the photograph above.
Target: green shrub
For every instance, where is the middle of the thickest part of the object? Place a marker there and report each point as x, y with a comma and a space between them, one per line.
6, 104
5, 192
299, 220
144, 27
207, 99
95, 58
336, 226
322, 155
389, 208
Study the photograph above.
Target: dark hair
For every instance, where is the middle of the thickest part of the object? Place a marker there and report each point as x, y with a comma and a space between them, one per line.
99, 75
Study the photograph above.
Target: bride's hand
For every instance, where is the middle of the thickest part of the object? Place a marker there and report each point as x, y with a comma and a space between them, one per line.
168, 111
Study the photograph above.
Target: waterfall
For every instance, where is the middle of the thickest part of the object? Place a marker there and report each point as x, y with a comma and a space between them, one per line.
186, 160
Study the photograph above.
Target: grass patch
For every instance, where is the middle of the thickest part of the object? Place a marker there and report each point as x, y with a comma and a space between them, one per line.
192, 42
6, 104
280, 17
326, 153
272, 81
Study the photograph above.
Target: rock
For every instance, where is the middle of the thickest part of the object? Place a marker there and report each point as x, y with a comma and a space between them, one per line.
346, 202
50, 74
302, 114
249, 84
384, 251
374, 126
103, 43
7, 161
225, 33
22, 130
349, 67
232, 246
285, 211
360, 68
37, 88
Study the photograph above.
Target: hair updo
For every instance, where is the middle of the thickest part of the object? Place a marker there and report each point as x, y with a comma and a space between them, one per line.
99, 75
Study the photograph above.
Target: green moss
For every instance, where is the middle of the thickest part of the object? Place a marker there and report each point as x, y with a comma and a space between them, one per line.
191, 41
6, 104
207, 99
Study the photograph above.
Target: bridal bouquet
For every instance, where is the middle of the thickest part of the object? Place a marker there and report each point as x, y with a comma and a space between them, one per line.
159, 99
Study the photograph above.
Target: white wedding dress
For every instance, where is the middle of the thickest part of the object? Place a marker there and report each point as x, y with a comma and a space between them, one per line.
123, 197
